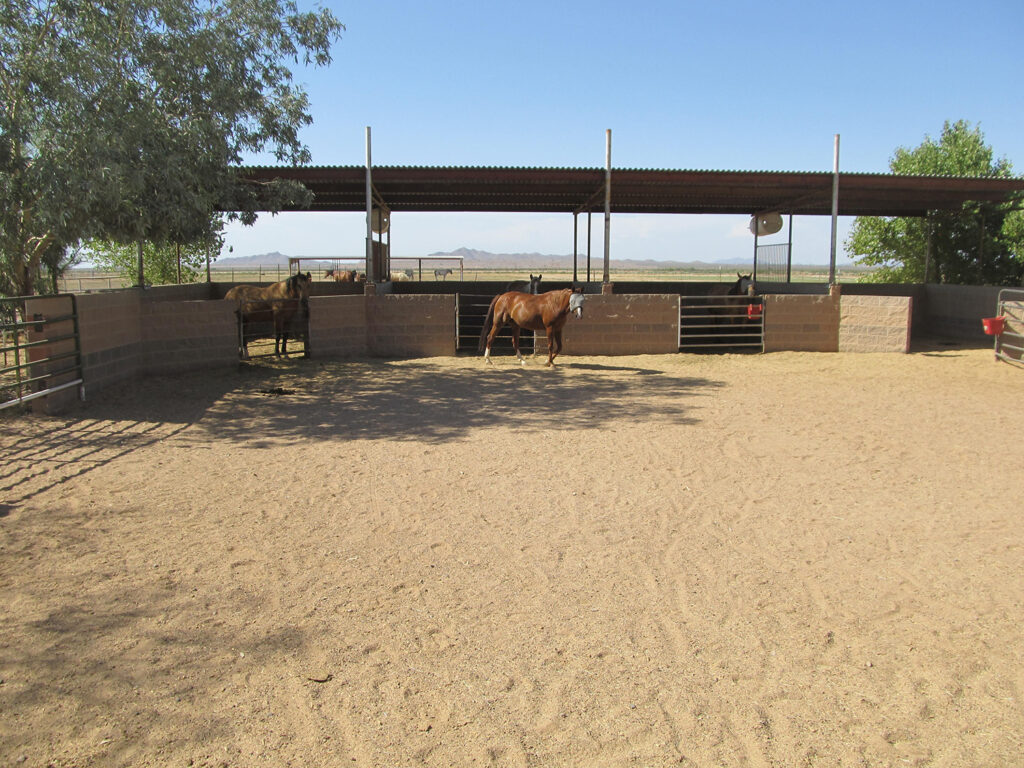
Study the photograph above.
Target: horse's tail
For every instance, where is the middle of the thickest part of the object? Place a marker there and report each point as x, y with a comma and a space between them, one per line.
488, 323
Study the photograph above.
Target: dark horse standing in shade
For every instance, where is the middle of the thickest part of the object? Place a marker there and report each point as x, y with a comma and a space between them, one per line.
532, 286
732, 310
278, 302
546, 312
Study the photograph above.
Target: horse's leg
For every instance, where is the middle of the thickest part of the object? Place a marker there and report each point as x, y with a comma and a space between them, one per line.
515, 344
554, 345
280, 337
495, 327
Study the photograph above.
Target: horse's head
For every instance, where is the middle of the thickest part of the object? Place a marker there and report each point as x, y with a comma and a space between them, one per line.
299, 285
576, 302
535, 284
328, 273
745, 286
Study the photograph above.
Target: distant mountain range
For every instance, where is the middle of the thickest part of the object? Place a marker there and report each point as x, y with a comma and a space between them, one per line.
476, 259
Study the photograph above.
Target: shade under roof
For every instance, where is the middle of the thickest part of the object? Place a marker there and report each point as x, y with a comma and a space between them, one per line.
567, 190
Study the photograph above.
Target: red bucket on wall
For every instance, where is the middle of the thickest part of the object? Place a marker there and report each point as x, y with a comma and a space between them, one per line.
994, 325
754, 310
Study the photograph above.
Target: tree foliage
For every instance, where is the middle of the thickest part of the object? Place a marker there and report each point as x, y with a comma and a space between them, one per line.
127, 120
163, 263
982, 243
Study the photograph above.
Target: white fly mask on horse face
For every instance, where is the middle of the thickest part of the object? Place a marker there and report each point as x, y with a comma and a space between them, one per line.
576, 304
746, 285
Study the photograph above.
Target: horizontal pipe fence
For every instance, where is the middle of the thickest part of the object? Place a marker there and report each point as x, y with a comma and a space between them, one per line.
1009, 343
718, 322
37, 351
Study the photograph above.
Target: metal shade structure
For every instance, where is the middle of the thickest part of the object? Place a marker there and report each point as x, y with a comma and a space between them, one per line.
577, 190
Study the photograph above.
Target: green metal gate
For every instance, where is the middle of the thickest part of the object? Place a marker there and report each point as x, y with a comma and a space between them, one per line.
41, 354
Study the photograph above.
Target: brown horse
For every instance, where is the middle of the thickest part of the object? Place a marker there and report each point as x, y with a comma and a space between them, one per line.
524, 311
341, 275
278, 302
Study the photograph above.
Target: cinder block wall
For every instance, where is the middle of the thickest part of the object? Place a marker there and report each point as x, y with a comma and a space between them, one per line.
111, 336
801, 323
187, 335
410, 326
956, 310
627, 324
875, 323
337, 326
186, 292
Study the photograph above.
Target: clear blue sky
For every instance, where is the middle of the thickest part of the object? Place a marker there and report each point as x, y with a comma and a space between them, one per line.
722, 86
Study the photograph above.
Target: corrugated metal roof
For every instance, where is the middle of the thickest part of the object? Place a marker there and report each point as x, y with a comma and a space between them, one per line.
565, 190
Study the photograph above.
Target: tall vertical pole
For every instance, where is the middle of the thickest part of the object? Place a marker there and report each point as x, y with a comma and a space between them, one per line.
928, 247
142, 272
607, 202
575, 244
757, 221
590, 230
835, 214
370, 275
789, 252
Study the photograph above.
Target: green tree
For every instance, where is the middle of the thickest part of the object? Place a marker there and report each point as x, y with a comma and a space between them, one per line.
163, 263
127, 120
982, 243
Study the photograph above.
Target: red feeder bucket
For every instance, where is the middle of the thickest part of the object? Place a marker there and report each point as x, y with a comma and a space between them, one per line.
754, 310
994, 325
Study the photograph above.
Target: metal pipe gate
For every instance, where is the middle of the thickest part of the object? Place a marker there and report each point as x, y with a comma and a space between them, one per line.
1009, 342
471, 312
36, 351
721, 323
260, 324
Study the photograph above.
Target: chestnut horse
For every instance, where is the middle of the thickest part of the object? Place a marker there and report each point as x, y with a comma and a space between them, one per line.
525, 311
278, 302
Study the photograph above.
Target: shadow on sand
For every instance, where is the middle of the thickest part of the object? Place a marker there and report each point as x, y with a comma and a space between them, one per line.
282, 402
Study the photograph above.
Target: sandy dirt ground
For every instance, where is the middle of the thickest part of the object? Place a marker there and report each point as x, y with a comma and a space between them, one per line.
732, 560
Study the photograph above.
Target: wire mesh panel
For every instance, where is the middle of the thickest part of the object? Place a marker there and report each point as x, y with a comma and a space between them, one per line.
721, 323
773, 263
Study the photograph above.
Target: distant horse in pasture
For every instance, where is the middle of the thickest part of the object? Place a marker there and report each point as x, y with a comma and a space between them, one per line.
278, 302
730, 308
546, 312
341, 275
525, 286
441, 273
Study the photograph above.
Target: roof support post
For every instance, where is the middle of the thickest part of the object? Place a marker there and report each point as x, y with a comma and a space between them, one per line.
575, 244
835, 213
789, 252
756, 223
370, 275
928, 247
607, 201
590, 230
141, 272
